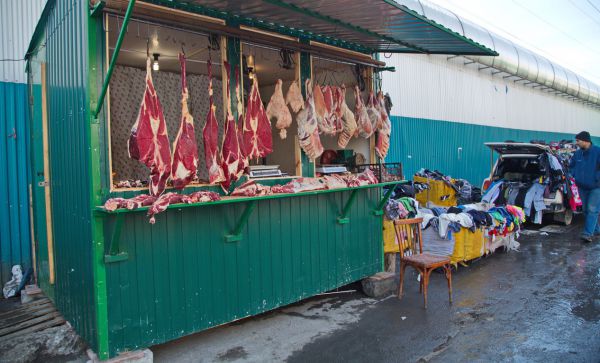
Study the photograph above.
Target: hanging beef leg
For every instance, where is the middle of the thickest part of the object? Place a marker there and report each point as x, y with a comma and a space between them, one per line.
210, 136
185, 150
230, 146
149, 142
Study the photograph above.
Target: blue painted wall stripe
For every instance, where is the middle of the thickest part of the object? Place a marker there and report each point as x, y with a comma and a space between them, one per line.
434, 144
15, 241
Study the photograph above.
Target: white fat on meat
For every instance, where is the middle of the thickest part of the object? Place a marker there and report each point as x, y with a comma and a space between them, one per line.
294, 97
308, 131
277, 109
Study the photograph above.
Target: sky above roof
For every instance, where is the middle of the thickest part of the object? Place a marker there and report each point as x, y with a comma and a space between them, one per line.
566, 32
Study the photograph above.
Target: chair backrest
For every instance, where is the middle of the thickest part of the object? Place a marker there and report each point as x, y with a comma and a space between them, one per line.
408, 235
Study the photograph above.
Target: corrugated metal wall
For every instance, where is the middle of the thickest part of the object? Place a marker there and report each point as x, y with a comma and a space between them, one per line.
67, 77
18, 19
182, 277
15, 233
453, 148
444, 111
17, 22
434, 88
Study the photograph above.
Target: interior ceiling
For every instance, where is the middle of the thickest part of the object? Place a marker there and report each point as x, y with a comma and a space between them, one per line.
168, 42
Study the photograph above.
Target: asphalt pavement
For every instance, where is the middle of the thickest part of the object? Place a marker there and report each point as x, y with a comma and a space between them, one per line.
541, 303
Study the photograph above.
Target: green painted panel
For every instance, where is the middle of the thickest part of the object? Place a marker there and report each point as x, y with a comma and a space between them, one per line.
65, 44
182, 277
433, 144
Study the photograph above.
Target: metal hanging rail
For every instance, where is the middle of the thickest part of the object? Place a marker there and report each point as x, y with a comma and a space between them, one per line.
113, 61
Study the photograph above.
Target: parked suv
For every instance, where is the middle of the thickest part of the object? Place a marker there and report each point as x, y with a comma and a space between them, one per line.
523, 163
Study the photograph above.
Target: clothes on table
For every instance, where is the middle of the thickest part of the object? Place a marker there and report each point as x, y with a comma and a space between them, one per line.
395, 210
454, 222
437, 211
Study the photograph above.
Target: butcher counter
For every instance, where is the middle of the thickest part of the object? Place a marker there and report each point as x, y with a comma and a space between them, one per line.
206, 264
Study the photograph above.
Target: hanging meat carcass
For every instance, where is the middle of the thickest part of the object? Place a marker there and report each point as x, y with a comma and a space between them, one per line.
243, 158
348, 120
149, 142
230, 147
210, 136
339, 96
373, 112
277, 109
294, 97
365, 127
184, 162
258, 140
385, 127
308, 130
327, 122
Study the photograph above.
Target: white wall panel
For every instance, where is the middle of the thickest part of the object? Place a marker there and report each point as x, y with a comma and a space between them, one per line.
18, 19
433, 87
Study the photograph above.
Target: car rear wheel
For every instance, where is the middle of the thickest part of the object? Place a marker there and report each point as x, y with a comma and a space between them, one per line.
565, 217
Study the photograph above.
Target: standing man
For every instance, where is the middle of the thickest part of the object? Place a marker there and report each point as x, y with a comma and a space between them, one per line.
585, 168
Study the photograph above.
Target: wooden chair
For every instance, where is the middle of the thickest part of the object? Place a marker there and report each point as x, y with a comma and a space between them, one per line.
410, 242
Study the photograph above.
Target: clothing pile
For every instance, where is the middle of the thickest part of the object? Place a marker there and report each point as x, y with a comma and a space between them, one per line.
498, 220
540, 178
401, 208
465, 192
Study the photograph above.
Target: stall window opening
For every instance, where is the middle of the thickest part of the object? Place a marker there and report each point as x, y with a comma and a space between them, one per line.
163, 44
267, 65
359, 150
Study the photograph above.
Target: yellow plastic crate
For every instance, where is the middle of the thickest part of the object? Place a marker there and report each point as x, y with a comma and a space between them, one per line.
468, 245
436, 193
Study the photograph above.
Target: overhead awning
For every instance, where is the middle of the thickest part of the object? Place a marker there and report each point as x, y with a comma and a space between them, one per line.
367, 26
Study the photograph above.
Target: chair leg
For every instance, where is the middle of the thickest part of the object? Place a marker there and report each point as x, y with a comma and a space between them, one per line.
425, 277
448, 270
420, 283
401, 287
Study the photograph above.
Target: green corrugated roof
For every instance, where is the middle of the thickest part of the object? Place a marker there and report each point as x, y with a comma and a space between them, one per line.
368, 26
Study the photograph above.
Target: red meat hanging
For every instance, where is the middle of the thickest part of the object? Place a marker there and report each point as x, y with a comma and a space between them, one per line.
384, 129
258, 140
149, 142
210, 136
185, 150
230, 146
244, 162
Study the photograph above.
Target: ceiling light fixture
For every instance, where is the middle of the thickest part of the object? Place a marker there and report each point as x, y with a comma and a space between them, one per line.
155, 65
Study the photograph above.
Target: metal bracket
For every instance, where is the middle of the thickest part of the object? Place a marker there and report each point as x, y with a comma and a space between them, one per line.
379, 210
343, 218
113, 251
236, 234
384, 69
97, 9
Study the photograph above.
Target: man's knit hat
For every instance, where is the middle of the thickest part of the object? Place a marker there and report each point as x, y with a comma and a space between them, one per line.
583, 136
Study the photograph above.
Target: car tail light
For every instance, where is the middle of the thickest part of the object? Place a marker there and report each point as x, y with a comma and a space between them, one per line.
486, 184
